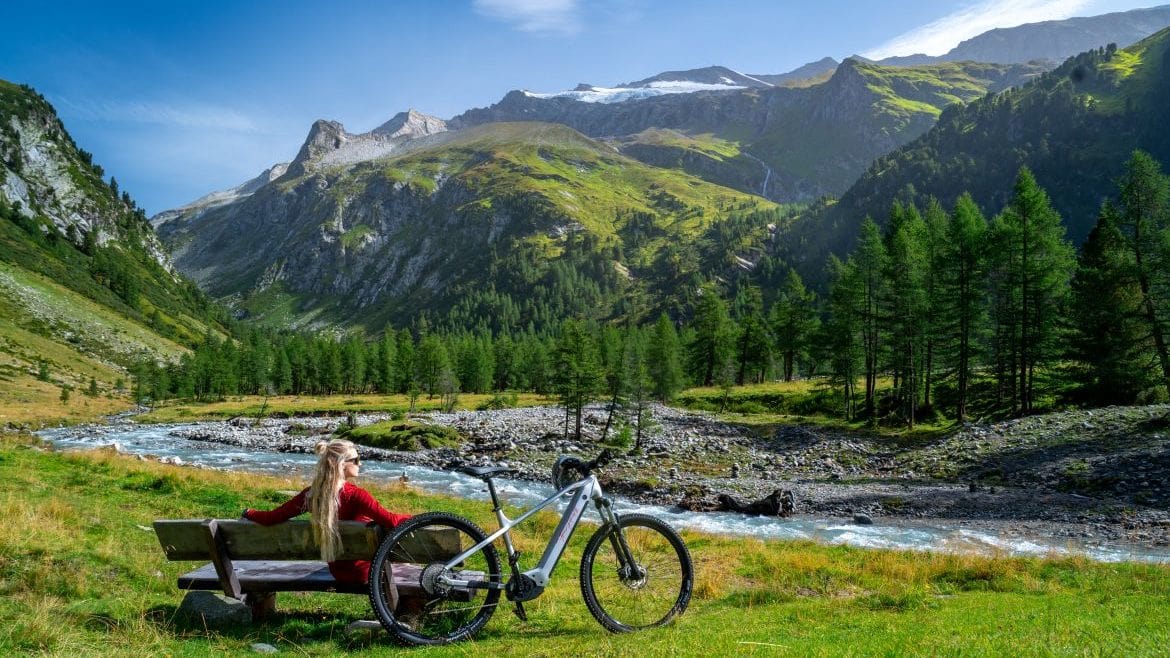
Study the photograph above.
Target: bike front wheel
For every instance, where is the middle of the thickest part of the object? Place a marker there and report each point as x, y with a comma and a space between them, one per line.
650, 589
408, 588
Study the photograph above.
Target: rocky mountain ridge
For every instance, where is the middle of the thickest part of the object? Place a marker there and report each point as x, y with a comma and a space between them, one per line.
44, 174
814, 140
381, 240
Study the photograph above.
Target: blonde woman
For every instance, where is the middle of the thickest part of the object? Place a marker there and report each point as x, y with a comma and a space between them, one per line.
337, 466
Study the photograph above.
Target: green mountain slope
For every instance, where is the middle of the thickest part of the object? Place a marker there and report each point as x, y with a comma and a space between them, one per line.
502, 225
85, 285
1074, 127
804, 142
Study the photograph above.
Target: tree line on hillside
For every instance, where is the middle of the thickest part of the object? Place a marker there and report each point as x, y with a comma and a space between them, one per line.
939, 313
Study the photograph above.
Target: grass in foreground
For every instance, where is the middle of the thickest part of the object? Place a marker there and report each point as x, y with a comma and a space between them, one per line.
81, 573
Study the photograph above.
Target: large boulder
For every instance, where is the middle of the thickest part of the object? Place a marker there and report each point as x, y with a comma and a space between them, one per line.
213, 610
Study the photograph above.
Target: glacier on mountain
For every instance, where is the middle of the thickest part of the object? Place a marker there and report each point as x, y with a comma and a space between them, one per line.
622, 94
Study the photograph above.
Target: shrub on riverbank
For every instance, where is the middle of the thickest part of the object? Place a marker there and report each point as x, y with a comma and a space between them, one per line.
81, 573
403, 435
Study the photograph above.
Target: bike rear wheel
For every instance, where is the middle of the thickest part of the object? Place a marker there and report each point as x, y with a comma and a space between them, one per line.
650, 592
418, 548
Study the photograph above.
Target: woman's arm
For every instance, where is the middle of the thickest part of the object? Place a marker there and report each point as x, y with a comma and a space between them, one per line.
365, 505
294, 507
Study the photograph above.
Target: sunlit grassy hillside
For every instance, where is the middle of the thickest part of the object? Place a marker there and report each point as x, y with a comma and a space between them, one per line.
81, 574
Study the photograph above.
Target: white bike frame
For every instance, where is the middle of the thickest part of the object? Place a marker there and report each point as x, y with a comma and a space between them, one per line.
583, 491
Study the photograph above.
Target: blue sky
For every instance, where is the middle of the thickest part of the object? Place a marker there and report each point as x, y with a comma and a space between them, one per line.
180, 98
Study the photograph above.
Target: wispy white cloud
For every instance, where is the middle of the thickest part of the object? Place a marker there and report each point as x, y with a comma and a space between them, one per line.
938, 37
204, 116
536, 16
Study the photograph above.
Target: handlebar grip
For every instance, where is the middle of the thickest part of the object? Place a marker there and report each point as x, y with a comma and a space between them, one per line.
604, 458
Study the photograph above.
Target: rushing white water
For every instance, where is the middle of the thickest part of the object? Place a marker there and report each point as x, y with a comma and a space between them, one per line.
158, 440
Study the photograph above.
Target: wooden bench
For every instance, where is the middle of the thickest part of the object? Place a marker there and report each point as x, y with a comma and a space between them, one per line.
252, 562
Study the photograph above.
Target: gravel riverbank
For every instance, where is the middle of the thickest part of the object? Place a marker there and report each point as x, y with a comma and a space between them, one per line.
1089, 476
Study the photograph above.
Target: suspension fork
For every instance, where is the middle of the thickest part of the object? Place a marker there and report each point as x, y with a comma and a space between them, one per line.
629, 567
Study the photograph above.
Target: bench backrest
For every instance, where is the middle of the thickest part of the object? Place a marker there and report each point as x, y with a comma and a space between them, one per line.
188, 539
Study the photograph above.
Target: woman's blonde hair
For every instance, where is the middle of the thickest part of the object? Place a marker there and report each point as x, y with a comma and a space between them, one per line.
323, 495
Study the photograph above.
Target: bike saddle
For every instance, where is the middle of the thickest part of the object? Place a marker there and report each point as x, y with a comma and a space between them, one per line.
484, 472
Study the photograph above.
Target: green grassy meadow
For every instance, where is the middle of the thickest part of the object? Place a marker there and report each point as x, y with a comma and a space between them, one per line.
81, 574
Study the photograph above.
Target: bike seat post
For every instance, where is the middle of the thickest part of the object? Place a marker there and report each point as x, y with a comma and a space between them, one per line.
503, 521
492, 491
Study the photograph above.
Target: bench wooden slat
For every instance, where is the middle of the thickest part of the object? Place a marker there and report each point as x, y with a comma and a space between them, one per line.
252, 562
293, 576
185, 539
266, 576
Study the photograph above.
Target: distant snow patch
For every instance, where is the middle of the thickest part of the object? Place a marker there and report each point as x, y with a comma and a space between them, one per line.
622, 94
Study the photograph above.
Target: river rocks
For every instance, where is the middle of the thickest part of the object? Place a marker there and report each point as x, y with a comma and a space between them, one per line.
862, 519
1015, 474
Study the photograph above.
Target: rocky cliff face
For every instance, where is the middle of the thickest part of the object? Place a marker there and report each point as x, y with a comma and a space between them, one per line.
327, 144
44, 173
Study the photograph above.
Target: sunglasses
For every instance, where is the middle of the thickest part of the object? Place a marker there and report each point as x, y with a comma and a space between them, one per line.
357, 461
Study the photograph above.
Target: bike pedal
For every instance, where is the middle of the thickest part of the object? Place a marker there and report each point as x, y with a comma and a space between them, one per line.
519, 610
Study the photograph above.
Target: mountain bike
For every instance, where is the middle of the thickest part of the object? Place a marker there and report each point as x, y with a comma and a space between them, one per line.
636, 572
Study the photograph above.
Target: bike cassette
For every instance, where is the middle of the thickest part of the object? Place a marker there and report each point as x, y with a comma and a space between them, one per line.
430, 580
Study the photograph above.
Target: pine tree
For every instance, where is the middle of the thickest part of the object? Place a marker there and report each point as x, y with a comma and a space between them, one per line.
405, 366
664, 360
613, 358
639, 384
714, 341
1109, 339
905, 309
1144, 224
1034, 264
794, 322
961, 315
869, 264
935, 245
353, 365
1121, 289
754, 340
578, 375
430, 360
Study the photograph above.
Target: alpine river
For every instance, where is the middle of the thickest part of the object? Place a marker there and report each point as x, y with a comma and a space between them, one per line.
158, 440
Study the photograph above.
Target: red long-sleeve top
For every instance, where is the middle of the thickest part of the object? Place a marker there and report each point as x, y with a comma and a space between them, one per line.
354, 504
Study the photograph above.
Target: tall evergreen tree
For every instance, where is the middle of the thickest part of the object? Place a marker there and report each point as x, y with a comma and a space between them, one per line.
1035, 263
639, 384
935, 245
754, 340
1122, 288
869, 263
429, 363
842, 336
664, 360
905, 309
794, 322
1110, 341
1143, 222
578, 374
714, 341
961, 314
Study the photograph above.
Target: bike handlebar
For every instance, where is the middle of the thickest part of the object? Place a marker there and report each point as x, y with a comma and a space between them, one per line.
600, 460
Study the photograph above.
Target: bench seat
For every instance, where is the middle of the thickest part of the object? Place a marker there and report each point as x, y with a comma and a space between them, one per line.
251, 562
256, 576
